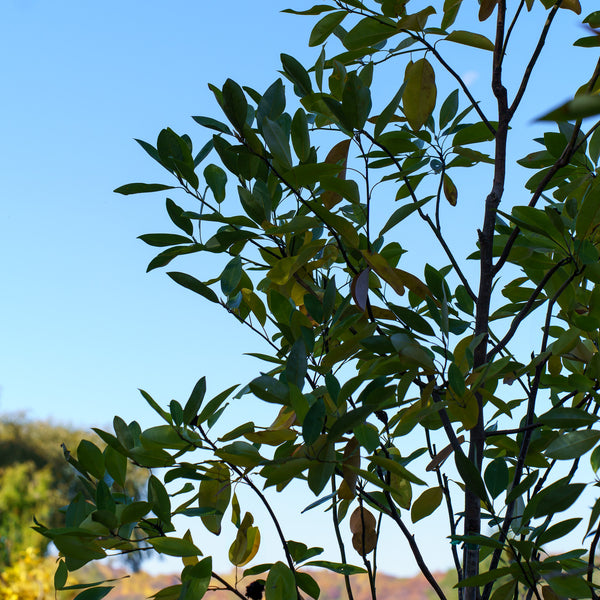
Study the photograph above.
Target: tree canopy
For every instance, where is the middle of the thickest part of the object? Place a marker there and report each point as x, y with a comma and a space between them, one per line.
401, 378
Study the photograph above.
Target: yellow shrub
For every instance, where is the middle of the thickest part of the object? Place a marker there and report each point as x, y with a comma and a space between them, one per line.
30, 577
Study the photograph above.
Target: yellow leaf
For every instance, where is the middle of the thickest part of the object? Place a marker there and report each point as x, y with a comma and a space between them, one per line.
420, 93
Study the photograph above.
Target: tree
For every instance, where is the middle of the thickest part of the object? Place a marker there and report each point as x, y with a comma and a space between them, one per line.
36, 482
382, 368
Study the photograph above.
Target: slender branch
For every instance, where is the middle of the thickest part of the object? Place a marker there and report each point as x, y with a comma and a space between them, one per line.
340, 541
262, 498
456, 76
512, 25
425, 217
536, 54
228, 586
393, 513
522, 314
527, 433
561, 162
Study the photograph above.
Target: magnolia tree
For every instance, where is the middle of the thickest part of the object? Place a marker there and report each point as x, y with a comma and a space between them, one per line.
400, 387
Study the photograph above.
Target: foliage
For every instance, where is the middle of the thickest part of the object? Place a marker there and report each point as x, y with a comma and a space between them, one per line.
30, 577
36, 481
370, 355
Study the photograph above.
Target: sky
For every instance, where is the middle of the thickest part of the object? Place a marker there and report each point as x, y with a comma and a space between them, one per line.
82, 325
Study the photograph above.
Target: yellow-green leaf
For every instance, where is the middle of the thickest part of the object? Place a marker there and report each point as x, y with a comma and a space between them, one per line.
420, 93
469, 38
426, 503
450, 190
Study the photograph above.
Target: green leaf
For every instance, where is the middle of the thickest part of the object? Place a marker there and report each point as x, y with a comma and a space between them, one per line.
314, 421
420, 93
240, 454
456, 380
216, 179
388, 112
496, 477
473, 134
401, 213
557, 531
369, 32
565, 417
277, 142
269, 389
164, 239
308, 584
176, 215
586, 105
116, 464
215, 493
91, 457
235, 105
555, 498
449, 109
210, 123
192, 406
174, 546
165, 257
572, 444
231, 276
296, 366
135, 511
300, 135
325, 26
469, 38
159, 499
297, 74
191, 283
470, 475
356, 102
61, 575
570, 586
589, 41
142, 188
272, 103
280, 584
341, 568
95, 593
426, 503
198, 576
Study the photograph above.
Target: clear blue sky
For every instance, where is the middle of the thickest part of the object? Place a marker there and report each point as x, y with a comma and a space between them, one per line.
82, 325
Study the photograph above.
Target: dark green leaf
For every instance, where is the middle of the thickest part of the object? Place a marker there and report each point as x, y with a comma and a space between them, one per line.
572, 444
496, 477
324, 27
277, 142
212, 124
142, 188
216, 179
235, 105
341, 568
164, 239
191, 283
297, 74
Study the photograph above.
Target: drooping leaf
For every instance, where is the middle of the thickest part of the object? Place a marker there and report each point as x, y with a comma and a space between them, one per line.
420, 93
